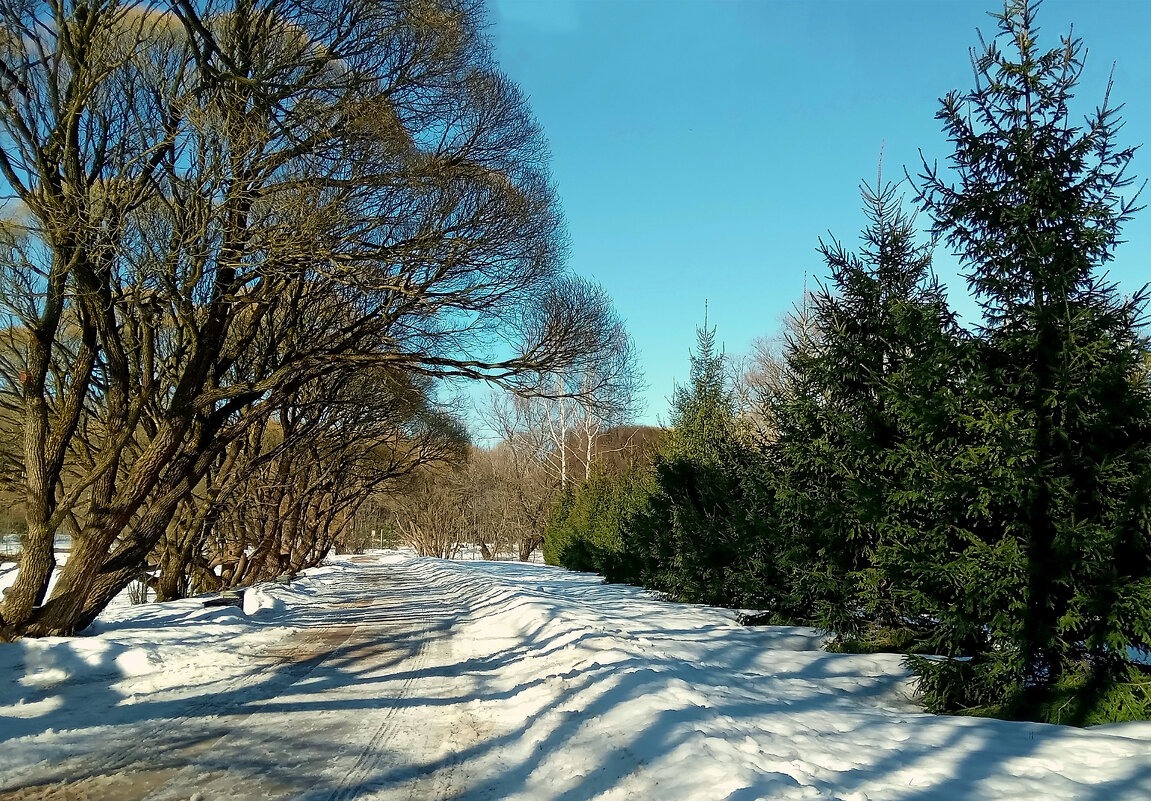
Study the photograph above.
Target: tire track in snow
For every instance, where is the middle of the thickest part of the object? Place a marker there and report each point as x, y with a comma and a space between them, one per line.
315, 751
140, 759
407, 779
356, 705
372, 754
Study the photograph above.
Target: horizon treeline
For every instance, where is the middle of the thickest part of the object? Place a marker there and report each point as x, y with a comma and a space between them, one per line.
976, 498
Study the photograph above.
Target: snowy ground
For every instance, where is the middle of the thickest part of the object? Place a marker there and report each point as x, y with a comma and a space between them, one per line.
390, 677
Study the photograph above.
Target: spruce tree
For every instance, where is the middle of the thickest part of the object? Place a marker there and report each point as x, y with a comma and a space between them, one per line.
1053, 568
703, 410
694, 536
584, 532
557, 532
841, 437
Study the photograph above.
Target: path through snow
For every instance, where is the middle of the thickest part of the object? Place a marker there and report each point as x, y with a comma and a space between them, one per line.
400, 678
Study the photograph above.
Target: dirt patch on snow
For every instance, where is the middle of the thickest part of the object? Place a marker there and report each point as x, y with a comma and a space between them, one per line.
318, 643
122, 785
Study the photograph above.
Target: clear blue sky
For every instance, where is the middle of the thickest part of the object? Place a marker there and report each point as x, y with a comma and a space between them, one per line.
701, 148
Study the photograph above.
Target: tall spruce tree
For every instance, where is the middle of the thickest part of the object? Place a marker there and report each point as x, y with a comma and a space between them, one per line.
842, 443
1054, 572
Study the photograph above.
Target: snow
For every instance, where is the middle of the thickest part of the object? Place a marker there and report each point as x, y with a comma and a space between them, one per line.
259, 600
389, 676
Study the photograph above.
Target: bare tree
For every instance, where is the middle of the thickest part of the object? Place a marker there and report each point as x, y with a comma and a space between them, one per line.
282, 495
571, 405
430, 513
491, 502
529, 463
225, 201
763, 376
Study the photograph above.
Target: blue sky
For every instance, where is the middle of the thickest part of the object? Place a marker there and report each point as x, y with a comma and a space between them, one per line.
701, 149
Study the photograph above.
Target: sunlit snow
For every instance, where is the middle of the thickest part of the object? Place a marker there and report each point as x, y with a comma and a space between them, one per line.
388, 676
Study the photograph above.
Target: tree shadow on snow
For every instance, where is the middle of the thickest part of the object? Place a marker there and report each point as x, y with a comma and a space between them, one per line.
800, 722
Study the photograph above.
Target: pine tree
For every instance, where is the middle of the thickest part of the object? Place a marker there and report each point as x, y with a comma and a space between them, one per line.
1053, 566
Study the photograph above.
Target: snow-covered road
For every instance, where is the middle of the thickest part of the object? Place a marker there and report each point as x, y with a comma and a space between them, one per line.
399, 678
347, 694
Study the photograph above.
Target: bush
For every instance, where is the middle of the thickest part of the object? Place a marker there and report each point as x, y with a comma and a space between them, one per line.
584, 532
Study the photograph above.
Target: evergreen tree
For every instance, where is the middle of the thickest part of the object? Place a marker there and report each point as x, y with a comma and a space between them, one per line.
842, 444
557, 532
1051, 571
584, 531
694, 536
703, 411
